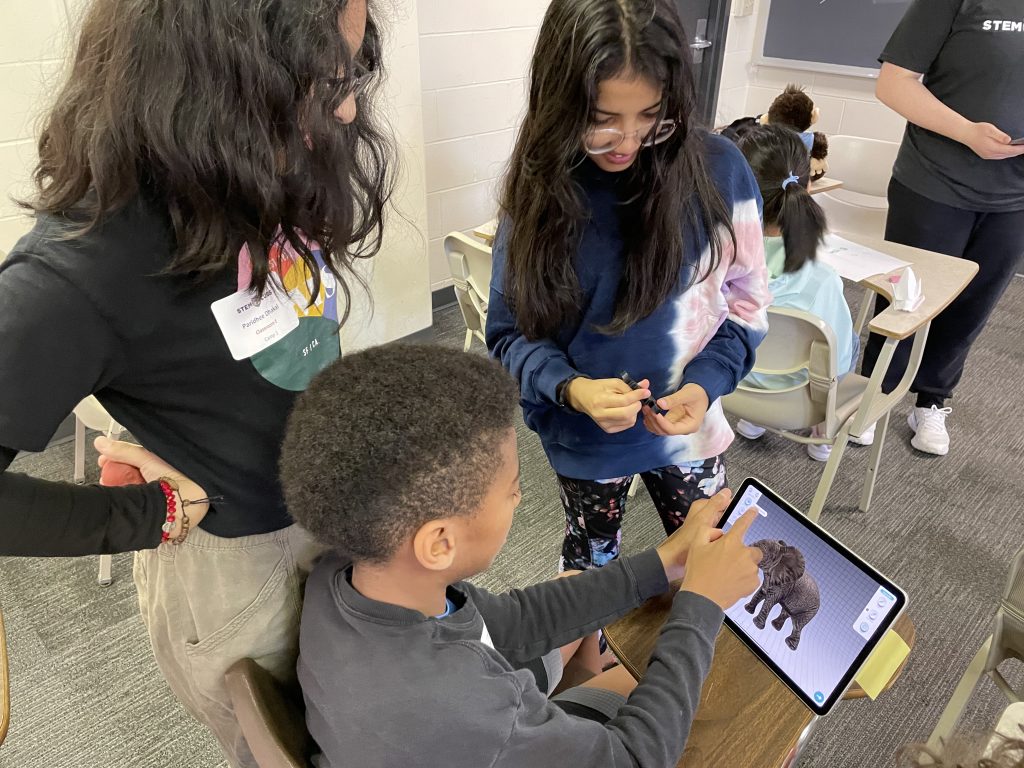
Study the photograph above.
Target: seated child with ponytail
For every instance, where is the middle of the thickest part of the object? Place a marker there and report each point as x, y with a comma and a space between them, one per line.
794, 226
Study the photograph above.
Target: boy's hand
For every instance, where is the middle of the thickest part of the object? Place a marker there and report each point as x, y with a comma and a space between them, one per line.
700, 523
609, 402
724, 570
685, 412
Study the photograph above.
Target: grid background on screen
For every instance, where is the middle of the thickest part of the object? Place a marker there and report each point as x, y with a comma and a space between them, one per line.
829, 643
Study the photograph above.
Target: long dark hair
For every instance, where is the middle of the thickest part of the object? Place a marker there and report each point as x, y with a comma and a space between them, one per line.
581, 44
224, 113
776, 153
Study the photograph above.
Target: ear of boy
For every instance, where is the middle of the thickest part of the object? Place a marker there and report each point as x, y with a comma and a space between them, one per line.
433, 545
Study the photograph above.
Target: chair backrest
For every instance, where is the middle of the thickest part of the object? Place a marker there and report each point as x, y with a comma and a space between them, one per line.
469, 262
797, 341
5, 688
273, 723
865, 167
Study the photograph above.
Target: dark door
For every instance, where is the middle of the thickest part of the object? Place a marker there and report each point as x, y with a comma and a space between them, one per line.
706, 23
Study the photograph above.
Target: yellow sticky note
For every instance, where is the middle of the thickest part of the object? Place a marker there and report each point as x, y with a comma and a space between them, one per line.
881, 664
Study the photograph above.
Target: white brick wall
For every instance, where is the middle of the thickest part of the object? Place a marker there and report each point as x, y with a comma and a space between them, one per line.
33, 42
475, 58
848, 104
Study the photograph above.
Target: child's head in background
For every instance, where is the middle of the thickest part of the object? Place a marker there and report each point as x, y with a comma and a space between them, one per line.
782, 166
406, 452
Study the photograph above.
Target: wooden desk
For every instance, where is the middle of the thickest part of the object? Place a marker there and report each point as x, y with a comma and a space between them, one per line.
942, 280
487, 231
747, 718
826, 184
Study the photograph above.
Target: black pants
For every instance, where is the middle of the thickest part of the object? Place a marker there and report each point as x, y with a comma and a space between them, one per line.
995, 241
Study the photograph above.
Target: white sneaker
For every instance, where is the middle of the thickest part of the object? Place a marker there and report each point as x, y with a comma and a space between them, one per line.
868, 438
929, 425
748, 430
818, 452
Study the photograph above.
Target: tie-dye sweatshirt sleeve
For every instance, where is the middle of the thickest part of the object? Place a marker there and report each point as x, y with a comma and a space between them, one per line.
729, 355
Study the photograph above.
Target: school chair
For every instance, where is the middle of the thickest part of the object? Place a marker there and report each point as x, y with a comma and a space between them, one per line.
865, 166
470, 264
5, 687
273, 724
799, 341
1005, 642
89, 414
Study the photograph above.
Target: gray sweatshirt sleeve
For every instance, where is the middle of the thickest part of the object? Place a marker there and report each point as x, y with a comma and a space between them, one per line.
651, 728
525, 624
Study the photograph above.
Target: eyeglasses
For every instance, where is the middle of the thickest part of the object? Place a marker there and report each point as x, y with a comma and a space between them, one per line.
354, 86
601, 141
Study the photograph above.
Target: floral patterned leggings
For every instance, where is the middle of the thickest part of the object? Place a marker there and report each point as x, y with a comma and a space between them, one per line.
594, 508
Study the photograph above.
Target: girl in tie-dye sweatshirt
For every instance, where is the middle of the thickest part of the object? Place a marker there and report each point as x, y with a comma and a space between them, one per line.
629, 241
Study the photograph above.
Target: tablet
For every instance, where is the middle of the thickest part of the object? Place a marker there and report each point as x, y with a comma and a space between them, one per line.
820, 609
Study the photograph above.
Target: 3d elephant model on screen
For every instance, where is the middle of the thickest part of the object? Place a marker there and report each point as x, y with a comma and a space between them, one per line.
786, 583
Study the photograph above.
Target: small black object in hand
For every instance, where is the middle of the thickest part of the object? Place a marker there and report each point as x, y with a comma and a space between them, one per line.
650, 401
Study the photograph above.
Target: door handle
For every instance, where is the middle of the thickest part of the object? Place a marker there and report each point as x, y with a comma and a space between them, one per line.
700, 42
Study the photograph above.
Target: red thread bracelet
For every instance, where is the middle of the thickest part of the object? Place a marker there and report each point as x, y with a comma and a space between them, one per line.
172, 507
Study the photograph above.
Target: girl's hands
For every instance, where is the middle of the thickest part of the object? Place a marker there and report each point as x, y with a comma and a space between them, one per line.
609, 402
685, 412
124, 463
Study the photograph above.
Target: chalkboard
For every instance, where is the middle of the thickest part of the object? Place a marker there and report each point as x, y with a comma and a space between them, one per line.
840, 36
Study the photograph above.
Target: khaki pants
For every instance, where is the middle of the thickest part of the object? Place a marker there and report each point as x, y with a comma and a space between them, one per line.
211, 601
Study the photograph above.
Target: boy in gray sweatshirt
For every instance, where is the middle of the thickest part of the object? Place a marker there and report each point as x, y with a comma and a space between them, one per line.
402, 461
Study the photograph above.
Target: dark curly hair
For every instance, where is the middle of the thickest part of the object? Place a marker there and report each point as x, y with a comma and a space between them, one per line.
581, 44
224, 114
390, 438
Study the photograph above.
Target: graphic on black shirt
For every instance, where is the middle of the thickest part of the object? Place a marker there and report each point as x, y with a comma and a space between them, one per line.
294, 360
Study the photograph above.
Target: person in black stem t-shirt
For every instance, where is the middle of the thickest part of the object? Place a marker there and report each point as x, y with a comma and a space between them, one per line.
197, 150
954, 69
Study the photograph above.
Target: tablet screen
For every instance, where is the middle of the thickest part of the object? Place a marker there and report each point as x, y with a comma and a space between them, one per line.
819, 611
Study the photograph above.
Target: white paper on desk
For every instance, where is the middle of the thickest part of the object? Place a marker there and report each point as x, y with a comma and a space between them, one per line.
856, 262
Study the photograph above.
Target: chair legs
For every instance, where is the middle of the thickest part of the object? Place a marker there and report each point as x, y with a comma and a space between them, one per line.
469, 340
957, 702
874, 460
633, 485
79, 468
829, 475
105, 577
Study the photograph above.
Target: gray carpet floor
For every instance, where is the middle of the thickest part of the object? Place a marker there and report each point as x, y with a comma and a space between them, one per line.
86, 691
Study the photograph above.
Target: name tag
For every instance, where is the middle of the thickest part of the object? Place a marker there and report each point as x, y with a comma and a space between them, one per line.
250, 325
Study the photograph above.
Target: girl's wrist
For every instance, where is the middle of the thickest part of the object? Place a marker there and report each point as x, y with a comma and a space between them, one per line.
185, 505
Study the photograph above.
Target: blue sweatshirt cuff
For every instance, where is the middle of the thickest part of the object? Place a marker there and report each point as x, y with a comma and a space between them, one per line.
713, 377
554, 371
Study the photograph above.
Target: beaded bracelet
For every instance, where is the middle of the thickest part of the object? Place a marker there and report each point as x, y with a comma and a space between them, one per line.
169, 487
